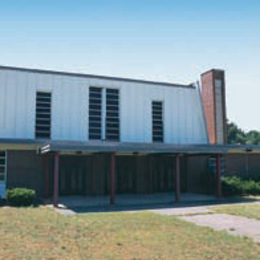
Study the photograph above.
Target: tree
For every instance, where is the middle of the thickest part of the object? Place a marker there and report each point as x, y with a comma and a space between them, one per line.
235, 134
253, 137
239, 136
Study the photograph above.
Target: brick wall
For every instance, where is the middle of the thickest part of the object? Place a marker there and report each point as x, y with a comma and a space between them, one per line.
24, 169
214, 106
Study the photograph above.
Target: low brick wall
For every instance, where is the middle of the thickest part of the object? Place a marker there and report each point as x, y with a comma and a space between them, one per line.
243, 165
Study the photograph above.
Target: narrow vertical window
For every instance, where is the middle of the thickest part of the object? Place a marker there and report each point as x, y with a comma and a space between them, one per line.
212, 165
157, 121
95, 113
2, 167
43, 115
112, 115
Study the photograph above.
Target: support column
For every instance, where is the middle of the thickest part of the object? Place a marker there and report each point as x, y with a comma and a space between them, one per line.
56, 180
218, 175
46, 166
247, 164
112, 178
177, 179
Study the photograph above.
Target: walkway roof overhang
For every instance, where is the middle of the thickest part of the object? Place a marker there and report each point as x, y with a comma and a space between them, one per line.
145, 148
44, 146
20, 144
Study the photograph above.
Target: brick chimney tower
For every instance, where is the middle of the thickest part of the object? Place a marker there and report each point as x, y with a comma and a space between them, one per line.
214, 105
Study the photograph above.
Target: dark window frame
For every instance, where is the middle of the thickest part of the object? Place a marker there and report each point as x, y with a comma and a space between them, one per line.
112, 122
95, 113
157, 111
43, 114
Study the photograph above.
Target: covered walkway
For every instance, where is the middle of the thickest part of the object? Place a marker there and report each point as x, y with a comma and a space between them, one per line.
112, 151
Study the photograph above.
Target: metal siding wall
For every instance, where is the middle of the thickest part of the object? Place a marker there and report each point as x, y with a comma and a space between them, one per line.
183, 116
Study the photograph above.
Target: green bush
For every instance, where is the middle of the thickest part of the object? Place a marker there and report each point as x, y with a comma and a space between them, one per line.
233, 186
20, 197
251, 187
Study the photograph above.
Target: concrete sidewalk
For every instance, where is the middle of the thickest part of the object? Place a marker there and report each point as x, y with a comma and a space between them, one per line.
183, 211
205, 216
234, 225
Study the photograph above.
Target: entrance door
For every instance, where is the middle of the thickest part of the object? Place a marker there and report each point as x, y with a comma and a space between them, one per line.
2, 173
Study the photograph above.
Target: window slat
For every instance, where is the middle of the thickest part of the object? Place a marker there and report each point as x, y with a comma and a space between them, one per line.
157, 121
2, 165
95, 113
43, 115
112, 115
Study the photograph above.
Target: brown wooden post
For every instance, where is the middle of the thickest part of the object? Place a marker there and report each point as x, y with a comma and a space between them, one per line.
177, 179
46, 166
218, 175
112, 178
247, 164
56, 180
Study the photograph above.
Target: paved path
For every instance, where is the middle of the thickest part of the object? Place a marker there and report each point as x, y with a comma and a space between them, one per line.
234, 225
183, 211
205, 216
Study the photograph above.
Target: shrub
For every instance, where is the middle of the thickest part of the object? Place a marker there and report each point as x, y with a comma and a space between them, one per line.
20, 197
233, 186
251, 187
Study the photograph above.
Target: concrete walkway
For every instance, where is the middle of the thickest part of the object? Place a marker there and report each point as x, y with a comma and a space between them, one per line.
205, 216
183, 211
234, 225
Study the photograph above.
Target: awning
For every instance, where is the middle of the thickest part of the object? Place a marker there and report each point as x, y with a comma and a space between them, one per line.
143, 148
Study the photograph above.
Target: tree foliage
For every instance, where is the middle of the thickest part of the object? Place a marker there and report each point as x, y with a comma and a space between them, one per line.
238, 136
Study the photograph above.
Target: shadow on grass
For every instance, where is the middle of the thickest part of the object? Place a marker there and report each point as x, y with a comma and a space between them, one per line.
152, 206
38, 202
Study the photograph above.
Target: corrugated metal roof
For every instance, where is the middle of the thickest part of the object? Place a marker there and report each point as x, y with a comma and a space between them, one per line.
62, 73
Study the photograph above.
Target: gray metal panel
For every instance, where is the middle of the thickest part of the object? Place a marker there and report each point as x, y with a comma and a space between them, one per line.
183, 115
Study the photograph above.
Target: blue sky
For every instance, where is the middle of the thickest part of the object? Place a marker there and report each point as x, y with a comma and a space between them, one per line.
159, 40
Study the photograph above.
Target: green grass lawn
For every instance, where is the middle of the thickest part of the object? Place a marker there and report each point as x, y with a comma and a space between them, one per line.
41, 233
249, 211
